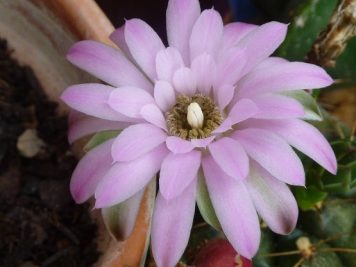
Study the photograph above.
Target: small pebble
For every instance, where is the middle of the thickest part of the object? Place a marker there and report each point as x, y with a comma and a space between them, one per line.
29, 144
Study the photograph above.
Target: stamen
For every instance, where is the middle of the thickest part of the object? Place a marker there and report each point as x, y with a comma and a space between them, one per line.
193, 117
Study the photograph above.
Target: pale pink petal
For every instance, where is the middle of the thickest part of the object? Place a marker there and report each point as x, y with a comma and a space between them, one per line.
261, 42
181, 16
125, 179
234, 32
164, 95
206, 34
224, 95
118, 37
230, 66
107, 64
144, 44
231, 157
91, 99
90, 171
177, 172
270, 62
303, 137
136, 141
171, 224
152, 114
243, 110
234, 209
129, 101
283, 77
184, 81
204, 68
224, 126
89, 125
273, 154
203, 142
277, 107
273, 200
178, 145
167, 62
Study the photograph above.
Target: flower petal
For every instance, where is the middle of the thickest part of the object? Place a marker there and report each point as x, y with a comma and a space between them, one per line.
118, 37
233, 208
125, 179
184, 81
164, 95
224, 95
203, 142
273, 154
171, 224
243, 110
270, 62
278, 107
91, 99
89, 125
107, 64
261, 42
234, 32
129, 101
224, 126
177, 172
231, 157
167, 62
152, 114
204, 69
230, 66
206, 34
90, 171
178, 145
273, 200
136, 141
181, 16
144, 44
120, 219
303, 137
283, 77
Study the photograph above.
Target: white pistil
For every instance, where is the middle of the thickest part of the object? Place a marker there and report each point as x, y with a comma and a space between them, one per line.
195, 116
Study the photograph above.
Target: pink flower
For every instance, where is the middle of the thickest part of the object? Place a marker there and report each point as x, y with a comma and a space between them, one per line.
210, 105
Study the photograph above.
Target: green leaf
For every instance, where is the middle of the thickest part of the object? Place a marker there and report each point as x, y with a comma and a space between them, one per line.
345, 67
100, 138
204, 203
307, 198
311, 107
310, 19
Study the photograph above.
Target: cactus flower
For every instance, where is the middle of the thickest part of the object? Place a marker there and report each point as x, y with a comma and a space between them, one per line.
210, 104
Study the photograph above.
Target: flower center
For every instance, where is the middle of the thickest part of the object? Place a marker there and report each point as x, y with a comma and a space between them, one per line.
193, 117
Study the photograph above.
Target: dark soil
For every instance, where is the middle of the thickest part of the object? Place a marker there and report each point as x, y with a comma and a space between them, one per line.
40, 225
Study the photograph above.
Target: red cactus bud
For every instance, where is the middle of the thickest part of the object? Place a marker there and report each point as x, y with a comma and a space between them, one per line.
219, 253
